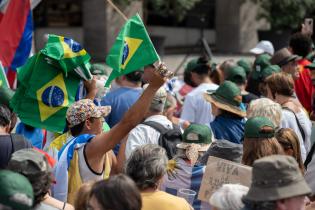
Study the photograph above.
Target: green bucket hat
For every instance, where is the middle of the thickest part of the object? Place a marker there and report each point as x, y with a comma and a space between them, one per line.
261, 62
246, 65
259, 127
227, 97
276, 177
236, 74
15, 190
196, 134
269, 70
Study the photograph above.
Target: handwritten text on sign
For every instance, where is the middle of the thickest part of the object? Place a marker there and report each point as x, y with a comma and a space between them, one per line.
219, 172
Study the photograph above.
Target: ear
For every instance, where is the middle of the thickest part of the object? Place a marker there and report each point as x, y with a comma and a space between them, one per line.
195, 77
7, 128
88, 124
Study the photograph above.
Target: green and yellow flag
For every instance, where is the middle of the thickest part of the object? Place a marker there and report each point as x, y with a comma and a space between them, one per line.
132, 49
48, 84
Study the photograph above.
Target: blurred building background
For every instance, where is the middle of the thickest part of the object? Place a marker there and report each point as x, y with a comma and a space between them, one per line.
229, 26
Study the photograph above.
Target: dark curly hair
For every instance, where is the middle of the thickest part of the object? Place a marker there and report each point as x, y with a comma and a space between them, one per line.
301, 44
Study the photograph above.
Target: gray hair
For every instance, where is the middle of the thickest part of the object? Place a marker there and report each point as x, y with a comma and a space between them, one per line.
147, 165
265, 107
229, 197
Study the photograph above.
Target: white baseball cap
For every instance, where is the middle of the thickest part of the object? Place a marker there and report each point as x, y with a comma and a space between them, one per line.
263, 47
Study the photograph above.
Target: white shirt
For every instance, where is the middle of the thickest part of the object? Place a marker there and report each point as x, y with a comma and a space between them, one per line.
196, 109
144, 134
289, 121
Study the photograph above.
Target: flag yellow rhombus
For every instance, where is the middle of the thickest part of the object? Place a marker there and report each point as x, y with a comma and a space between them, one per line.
52, 97
130, 47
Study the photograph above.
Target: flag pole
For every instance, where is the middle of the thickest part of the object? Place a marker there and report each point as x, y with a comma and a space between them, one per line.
117, 10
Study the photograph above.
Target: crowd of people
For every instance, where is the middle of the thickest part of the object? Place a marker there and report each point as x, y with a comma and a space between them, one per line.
140, 144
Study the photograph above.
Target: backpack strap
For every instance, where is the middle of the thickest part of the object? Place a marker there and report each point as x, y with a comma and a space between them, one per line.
309, 156
157, 126
18, 142
297, 121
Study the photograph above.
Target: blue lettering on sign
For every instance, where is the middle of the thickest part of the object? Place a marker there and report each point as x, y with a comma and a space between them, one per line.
53, 96
74, 46
125, 53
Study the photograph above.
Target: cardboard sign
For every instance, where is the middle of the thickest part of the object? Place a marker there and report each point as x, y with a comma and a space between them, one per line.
219, 172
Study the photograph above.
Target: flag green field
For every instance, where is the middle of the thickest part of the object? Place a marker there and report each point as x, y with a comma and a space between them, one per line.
132, 49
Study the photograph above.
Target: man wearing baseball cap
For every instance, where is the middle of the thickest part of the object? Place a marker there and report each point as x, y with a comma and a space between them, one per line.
86, 156
263, 47
277, 184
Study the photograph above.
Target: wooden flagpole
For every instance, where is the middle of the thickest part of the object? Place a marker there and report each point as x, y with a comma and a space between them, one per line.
117, 10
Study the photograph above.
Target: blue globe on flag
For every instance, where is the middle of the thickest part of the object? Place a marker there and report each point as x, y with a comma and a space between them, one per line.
53, 96
125, 53
73, 45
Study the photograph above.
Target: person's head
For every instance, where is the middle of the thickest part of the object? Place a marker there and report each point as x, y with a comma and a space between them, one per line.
266, 72
279, 84
263, 47
229, 196
247, 66
290, 144
134, 77
226, 99
16, 192
225, 66
300, 44
118, 192
264, 107
278, 184
223, 149
236, 74
196, 71
158, 101
5, 118
82, 196
35, 167
196, 141
259, 140
147, 166
84, 116
287, 61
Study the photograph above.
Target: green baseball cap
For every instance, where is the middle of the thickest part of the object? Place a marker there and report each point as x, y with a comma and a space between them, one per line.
196, 134
269, 70
259, 127
192, 64
261, 62
276, 177
227, 97
29, 162
245, 64
236, 74
15, 191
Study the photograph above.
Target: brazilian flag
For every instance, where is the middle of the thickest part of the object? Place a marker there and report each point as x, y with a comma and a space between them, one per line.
48, 84
132, 49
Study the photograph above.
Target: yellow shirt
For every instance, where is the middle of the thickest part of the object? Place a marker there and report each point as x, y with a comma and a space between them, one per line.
160, 200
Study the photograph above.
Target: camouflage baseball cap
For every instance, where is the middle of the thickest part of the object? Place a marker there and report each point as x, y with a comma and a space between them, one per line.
29, 162
84, 109
276, 177
16, 191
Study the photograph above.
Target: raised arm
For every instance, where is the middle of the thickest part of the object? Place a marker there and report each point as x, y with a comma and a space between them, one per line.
102, 143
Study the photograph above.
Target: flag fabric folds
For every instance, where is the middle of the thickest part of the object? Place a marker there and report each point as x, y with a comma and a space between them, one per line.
132, 49
3, 79
48, 83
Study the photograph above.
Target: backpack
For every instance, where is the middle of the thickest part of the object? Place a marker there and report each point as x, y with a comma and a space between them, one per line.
169, 138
